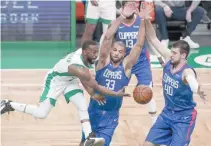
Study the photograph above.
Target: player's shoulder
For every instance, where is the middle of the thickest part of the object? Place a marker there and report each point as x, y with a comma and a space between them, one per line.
77, 59
189, 71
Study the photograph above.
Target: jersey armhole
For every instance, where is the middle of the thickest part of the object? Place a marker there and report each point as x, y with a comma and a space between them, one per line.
166, 64
185, 81
101, 68
106, 64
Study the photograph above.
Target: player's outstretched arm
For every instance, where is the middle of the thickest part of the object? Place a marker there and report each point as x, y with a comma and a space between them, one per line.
105, 48
132, 58
98, 97
157, 54
80, 72
152, 38
103, 90
84, 75
190, 77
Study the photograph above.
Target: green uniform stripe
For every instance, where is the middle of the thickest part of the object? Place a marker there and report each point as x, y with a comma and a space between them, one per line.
91, 21
79, 65
53, 101
47, 85
90, 67
69, 94
105, 21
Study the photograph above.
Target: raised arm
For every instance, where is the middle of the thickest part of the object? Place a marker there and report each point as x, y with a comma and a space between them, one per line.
152, 38
105, 48
132, 58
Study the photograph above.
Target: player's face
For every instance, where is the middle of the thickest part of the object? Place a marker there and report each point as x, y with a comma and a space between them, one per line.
131, 16
117, 53
176, 56
92, 53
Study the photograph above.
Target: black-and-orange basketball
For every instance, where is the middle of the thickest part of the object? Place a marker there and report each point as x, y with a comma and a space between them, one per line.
142, 94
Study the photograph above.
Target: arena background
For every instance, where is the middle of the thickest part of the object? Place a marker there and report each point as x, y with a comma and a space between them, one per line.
34, 36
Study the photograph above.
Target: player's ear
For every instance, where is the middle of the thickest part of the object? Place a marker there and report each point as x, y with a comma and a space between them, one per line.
184, 55
84, 52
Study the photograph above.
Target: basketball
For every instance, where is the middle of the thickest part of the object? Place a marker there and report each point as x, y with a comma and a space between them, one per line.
142, 94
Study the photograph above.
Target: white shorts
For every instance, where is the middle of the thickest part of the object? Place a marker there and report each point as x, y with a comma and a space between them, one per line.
105, 12
55, 88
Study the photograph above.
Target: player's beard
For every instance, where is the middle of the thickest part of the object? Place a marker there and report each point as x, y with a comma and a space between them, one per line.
130, 17
175, 63
115, 60
91, 60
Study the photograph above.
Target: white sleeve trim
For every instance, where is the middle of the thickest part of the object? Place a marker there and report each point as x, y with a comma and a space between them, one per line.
192, 83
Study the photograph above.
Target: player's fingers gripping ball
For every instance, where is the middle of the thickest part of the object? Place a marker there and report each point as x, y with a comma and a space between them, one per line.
142, 94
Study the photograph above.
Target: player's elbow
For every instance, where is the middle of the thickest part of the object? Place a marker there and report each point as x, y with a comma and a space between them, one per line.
107, 36
85, 77
140, 44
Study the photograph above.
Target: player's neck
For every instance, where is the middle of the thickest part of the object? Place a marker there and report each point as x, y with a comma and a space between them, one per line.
85, 61
178, 66
115, 64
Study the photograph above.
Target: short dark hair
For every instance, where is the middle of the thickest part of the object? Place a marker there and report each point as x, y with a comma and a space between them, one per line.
124, 2
87, 43
120, 43
183, 45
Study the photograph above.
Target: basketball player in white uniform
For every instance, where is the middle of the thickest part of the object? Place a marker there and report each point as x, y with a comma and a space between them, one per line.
62, 80
98, 10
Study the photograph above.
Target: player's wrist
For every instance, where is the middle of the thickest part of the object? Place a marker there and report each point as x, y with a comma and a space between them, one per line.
145, 18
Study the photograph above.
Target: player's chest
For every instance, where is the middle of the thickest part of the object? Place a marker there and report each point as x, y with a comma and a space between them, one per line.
173, 80
127, 34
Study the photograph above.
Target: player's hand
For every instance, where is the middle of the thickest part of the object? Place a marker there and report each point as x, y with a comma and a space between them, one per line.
188, 17
202, 94
129, 9
99, 98
94, 2
145, 11
122, 93
167, 10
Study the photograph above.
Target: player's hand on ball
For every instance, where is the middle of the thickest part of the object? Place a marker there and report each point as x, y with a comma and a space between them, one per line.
99, 98
122, 93
202, 94
129, 9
